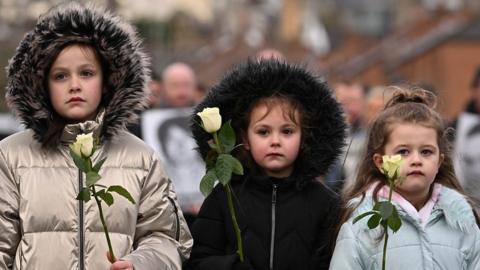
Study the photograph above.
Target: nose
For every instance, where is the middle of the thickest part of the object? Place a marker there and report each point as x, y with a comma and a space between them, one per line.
275, 140
415, 159
74, 84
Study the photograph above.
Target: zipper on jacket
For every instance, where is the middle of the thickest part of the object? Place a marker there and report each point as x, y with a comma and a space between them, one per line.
177, 220
81, 225
272, 236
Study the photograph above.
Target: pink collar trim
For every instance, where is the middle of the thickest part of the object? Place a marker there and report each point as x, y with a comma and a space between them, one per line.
421, 216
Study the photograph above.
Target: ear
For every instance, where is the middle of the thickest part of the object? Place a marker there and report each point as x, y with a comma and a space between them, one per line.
378, 160
245, 141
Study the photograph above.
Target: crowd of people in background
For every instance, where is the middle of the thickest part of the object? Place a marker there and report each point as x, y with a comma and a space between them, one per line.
172, 96
312, 153
466, 142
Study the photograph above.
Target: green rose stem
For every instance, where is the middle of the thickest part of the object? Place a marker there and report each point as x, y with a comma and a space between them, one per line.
104, 224
385, 226
220, 163
216, 140
385, 213
231, 208
238, 233
81, 151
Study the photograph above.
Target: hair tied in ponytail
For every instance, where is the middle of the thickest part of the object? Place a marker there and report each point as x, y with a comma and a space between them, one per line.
414, 95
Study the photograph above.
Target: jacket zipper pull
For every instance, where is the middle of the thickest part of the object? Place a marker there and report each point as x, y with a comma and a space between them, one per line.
272, 236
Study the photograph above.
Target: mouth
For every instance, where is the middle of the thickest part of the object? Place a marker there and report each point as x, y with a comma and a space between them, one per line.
76, 99
274, 155
415, 173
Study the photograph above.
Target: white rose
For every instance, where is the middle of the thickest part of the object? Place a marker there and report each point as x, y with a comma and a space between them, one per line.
83, 146
391, 165
211, 119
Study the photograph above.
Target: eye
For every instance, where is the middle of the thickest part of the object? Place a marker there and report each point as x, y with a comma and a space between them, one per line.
403, 152
59, 76
288, 131
426, 152
262, 132
87, 73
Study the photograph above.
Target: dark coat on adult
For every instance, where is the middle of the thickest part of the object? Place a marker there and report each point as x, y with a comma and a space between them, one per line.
286, 223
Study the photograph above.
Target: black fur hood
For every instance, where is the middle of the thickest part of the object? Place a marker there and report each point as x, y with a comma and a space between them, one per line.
117, 44
247, 83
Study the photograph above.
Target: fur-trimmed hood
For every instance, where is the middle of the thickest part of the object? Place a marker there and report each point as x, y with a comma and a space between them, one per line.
323, 137
117, 44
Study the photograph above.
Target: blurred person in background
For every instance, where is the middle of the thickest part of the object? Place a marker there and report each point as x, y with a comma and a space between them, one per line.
200, 92
466, 142
153, 101
470, 166
182, 162
155, 96
351, 96
269, 53
179, 86
374, 102
165, 127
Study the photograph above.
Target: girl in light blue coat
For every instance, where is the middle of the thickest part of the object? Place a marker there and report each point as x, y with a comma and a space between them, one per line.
439, 227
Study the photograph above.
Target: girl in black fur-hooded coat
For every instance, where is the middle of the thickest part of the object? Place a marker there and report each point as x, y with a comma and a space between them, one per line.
291, 130
82, 70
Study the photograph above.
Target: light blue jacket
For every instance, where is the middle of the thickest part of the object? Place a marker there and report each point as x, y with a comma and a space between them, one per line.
449, 241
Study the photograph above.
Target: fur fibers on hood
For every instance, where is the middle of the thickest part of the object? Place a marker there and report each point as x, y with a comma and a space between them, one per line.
117, 44
323, 136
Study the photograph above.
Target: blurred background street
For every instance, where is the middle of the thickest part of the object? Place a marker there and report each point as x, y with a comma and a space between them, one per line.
358, 46
435, 43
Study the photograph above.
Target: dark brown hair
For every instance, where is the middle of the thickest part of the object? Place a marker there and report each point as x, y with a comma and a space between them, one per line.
290, 107
56, 123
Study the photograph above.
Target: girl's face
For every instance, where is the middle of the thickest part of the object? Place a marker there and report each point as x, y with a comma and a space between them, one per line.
273, 139
75, 83
418, 146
